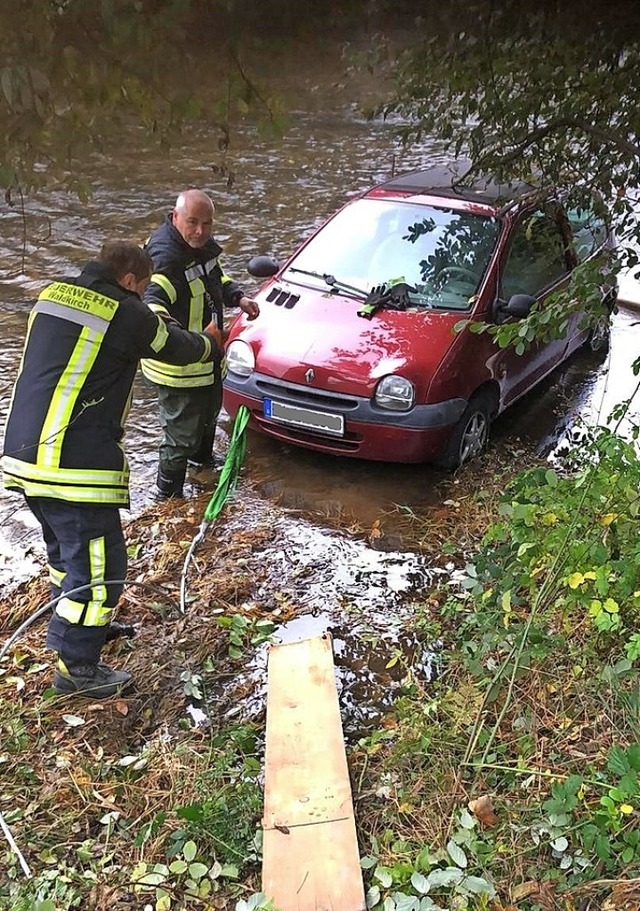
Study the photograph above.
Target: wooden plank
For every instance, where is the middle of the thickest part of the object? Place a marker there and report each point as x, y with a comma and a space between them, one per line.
310, 849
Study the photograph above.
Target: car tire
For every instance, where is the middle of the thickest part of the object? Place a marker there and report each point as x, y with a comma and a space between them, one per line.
470, 436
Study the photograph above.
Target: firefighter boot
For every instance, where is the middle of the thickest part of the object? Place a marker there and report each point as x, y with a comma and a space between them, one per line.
203, 456
95, 681
170, 483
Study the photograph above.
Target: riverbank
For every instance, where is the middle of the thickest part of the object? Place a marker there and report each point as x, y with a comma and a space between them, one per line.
94, 791
499, 770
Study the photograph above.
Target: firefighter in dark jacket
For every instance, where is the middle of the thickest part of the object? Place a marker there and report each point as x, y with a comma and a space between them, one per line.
63, 448
189, 285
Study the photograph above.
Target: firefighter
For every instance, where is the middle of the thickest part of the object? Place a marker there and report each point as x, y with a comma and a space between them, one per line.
63, 450
188, 284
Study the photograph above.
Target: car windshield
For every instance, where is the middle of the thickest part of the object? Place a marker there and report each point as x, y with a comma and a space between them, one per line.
443, 254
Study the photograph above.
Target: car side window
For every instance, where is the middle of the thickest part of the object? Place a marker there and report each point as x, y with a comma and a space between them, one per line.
589, 231
537, 257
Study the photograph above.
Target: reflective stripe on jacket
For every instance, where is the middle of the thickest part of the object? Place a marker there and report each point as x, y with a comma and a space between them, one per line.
85, 337
188, 285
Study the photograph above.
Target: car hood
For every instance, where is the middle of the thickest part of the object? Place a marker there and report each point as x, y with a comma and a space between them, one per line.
318, 339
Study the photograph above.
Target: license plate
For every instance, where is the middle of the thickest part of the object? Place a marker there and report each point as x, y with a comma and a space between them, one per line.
320, 421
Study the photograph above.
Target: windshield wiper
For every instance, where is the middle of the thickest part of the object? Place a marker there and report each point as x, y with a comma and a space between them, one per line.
332, 281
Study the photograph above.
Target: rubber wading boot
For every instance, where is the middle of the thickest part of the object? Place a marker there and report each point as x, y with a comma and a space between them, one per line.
204, 455
169, 484
96, 681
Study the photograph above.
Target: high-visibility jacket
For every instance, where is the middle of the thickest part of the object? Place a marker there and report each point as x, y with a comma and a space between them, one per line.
85, 337
189, 285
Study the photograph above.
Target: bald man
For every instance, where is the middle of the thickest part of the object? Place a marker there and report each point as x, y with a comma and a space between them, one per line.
188, 285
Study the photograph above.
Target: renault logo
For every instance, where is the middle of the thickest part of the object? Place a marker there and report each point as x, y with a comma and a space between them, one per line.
309, 375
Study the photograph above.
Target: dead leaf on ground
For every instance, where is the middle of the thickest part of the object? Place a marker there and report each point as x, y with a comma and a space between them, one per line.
524, 890
482, 809
626, 894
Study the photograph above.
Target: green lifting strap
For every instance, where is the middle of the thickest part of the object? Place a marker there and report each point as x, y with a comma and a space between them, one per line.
225, 487
231, 468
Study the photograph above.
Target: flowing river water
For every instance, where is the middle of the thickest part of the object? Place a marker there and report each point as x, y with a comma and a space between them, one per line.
281, 191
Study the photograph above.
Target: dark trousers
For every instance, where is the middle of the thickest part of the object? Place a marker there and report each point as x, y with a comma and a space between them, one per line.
188, 419
85, 546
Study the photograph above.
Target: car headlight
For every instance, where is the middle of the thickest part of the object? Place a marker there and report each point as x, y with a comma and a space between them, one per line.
240, 358
395, 393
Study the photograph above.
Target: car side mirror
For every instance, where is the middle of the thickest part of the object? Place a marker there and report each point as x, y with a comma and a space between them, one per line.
519, 305
262, 266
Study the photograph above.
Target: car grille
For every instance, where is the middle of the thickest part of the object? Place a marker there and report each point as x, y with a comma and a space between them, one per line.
308, 397
301, 395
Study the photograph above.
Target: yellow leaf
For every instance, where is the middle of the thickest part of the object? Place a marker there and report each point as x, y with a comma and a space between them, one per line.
626, 808
609, 518
575, 579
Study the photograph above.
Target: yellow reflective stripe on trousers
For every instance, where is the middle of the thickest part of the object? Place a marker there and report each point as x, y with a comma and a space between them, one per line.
65, 396
97, 614
94, 612
73, 612
55, 575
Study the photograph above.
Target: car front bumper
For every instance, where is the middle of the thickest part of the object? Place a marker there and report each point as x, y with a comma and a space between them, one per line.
342, 424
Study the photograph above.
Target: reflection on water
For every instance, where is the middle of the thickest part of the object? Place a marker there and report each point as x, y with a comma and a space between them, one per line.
282, 191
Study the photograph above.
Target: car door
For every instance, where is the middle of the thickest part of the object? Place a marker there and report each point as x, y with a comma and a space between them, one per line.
537, 262
591, 240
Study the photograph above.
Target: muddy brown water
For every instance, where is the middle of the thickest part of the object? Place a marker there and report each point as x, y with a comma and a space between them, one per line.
282, 190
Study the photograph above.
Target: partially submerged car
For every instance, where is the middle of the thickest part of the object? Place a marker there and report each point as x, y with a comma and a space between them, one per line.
358, 349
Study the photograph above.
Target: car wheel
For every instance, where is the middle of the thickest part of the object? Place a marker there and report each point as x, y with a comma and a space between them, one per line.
470, 435
600, 334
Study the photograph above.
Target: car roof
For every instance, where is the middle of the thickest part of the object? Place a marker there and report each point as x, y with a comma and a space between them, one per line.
444, 180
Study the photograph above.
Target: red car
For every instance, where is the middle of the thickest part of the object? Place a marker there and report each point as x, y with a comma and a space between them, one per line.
355, 350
